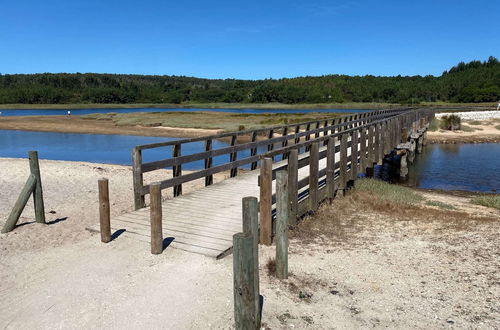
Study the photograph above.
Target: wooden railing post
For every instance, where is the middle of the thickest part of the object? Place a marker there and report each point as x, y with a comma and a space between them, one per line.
343, 162
37, 194
354, 155
379, 150
233, 156
313, 176
330, 168
104, 210
284, 143
209, 179
282, 224
293, 172
253, 151
139, 201
250, 211
156, 219
177, 169
245, 310
265, 203
362, 150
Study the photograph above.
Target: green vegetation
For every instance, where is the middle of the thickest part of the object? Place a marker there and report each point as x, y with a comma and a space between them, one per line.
487, 200
475, 122
441, 205
434, 125
450, 123
472, 82
467, 128
389, 192
497, 127
229, 122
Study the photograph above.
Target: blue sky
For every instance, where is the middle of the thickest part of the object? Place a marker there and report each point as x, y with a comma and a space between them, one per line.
249, 39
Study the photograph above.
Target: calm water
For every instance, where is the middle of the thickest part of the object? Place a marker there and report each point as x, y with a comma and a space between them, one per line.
469, 167
35, 112
97, 148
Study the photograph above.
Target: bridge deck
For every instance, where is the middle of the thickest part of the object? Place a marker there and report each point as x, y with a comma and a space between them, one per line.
203, 221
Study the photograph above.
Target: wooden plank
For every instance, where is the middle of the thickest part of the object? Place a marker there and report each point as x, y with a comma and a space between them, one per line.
293, 186
282, 223
330, 168
313, 176
343, 162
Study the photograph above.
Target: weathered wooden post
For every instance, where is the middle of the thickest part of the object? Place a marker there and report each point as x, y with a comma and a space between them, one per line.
177, 169
37, 194
265, 203
245, 307
139, 201
156, 219
209, 179
330, 168
371, 152
282, 224
251, 227
293, 172
343, 163
104, 210
18, 208
354, 155
403, 166
313, 176
362, 150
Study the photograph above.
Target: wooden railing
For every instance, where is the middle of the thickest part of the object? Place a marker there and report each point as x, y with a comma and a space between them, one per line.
268, 139
348, 153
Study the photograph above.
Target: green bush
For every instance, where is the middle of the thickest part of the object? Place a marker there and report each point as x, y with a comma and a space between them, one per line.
489, 201
450, 123
389, 192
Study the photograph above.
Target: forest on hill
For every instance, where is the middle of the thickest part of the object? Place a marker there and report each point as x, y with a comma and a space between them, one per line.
475, 81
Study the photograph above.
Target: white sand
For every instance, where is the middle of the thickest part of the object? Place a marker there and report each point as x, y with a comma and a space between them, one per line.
393, 274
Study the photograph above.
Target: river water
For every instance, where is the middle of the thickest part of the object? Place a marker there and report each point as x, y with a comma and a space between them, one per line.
54, 112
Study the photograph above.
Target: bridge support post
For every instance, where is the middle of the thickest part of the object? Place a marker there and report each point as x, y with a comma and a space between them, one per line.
403, 166
265, 203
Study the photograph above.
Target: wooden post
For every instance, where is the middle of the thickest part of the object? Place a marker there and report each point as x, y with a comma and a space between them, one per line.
362, 150
139, 201
104, 211
343, 162
244, 290
354, 155
18, 208
282, 224
251, 227
209, 179
253, 151
156, 219
371, 152
313, 176
330, 168
379, 150
232, 157
37, 194
177, 169
265, 203
284, 133
293, 172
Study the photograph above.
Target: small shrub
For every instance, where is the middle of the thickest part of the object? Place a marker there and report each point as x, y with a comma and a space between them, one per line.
271, 267
434, 125
450, 123
441, 205
497, 127
241, 128
488, 201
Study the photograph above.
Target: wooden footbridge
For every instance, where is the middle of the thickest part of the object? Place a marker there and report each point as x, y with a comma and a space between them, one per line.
322, 158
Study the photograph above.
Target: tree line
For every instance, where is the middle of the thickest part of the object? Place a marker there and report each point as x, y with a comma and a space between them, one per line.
475, 81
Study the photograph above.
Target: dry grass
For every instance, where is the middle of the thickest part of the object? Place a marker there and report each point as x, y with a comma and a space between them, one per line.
488, 201
375, 206
271, 267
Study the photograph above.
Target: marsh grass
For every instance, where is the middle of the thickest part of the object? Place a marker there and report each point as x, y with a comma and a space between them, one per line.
467, 128
489, 201
208, 120
441, 205
450, 123
475, 122
497, 127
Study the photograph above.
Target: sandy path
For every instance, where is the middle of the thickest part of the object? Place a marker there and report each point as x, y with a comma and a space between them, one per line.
385, 272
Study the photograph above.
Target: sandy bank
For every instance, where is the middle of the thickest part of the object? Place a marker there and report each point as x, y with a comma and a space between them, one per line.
473, 131
75, 124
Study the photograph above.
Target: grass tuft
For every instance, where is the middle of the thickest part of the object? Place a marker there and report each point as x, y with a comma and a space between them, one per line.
489, 201
497, 127
441, 205
271, 266
389, 192
434, 125
475, 122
